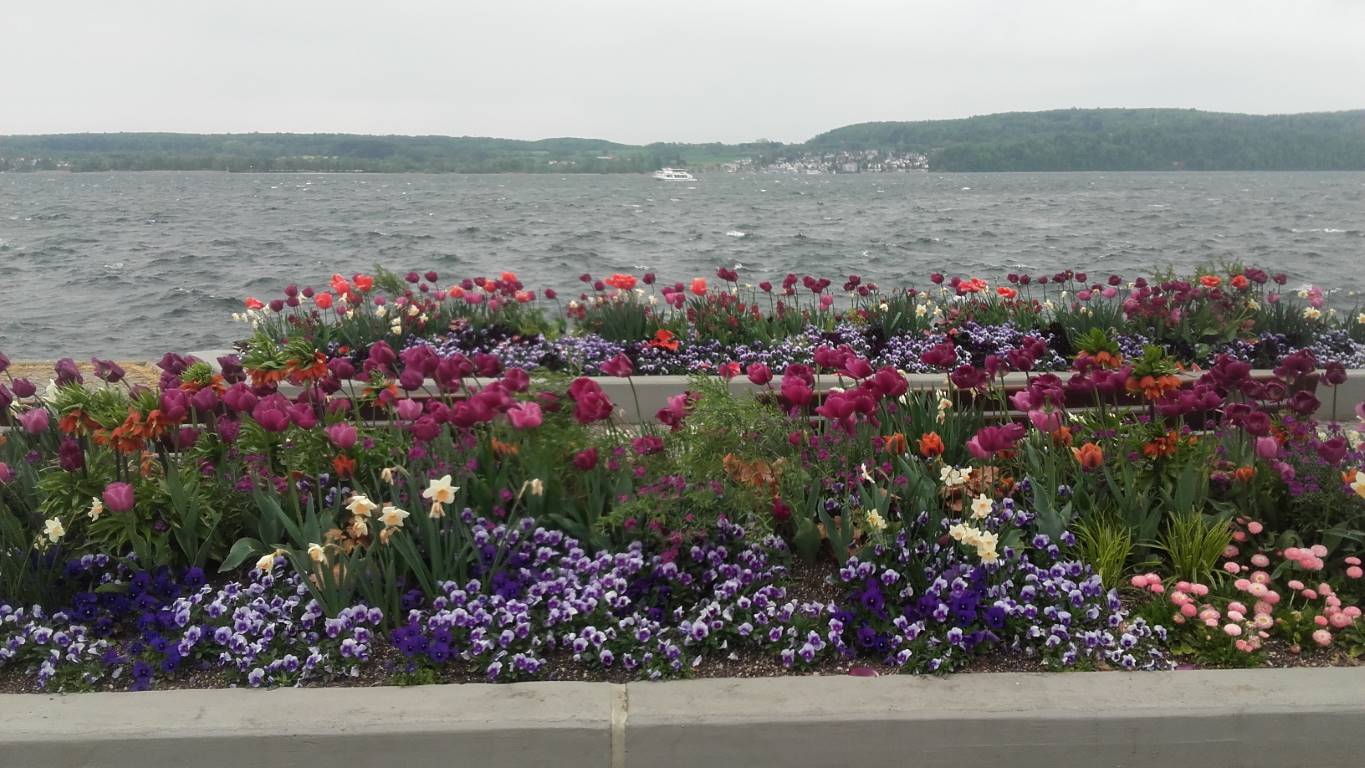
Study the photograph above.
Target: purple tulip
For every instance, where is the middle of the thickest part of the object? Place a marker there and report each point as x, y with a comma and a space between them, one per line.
240, 398
70, 455
6, 474
205, 400
118, 497
229, 429
303, 415
23, 388
68, 373
231, 368
35, 421
107, 370
1334, 450
175, 405
271, 414
4, 362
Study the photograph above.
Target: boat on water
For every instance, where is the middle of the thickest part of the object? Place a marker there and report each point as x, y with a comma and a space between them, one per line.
673, 174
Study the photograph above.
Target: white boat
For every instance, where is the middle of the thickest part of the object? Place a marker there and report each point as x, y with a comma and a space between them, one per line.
673, 174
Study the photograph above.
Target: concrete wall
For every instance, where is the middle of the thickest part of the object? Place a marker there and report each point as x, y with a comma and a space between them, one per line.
1245, 718
653, 391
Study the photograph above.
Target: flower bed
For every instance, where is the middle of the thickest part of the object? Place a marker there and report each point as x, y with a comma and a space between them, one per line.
299, 515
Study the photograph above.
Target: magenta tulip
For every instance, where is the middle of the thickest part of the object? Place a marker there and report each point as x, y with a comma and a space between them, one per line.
525, 415
118, 497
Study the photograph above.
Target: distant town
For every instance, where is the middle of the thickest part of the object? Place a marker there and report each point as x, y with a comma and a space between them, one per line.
814, 163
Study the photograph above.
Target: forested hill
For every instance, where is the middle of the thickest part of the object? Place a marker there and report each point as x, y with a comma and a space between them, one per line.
1118, 140
350, 152
1059, 140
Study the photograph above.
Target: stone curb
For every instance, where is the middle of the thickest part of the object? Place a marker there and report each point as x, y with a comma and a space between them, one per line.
1237, 717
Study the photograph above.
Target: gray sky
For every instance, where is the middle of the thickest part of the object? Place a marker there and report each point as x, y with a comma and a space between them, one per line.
645, 70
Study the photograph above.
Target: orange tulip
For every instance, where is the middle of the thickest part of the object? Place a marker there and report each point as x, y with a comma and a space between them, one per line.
699, 286
1245, 474
1089, 455
896, 443
621, 281
1210, 281
930, 445
344, 466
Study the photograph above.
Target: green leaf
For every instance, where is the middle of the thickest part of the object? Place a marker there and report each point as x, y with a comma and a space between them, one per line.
241, 550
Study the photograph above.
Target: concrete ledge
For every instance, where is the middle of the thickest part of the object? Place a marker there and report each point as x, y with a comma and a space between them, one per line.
653, 391
1244, 718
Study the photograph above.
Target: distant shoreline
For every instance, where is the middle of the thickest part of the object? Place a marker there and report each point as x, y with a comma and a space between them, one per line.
1067, 140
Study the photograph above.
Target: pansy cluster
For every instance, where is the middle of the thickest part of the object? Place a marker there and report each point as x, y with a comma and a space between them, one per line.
650, 614
262, 631
925, 603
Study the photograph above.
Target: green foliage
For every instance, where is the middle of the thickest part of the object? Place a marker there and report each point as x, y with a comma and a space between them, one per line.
1106, 544
1192, 543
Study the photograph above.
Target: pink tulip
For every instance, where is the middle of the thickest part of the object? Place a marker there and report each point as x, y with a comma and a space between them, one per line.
525, 415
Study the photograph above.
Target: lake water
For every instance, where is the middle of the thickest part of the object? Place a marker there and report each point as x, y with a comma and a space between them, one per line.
134, 264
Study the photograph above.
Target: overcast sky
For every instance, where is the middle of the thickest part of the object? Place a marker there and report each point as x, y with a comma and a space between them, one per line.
651, 70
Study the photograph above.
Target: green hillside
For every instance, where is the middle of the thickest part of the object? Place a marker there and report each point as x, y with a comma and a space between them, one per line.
1119, 140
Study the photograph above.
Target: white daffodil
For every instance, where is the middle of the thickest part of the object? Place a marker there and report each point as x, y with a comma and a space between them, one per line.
317, 554
396, 328
875, 521
1360, 318
361, 506
266, 563
1253, 305
437, 511
537, 487
440, 491
982, 506
96, 507
54, 530
1311, 313
390, 475
380, 311
392, 517
921, 310
1358, 485
413, 310
866, 474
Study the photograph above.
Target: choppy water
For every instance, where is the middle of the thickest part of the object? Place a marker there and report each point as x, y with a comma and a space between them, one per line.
134, 264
